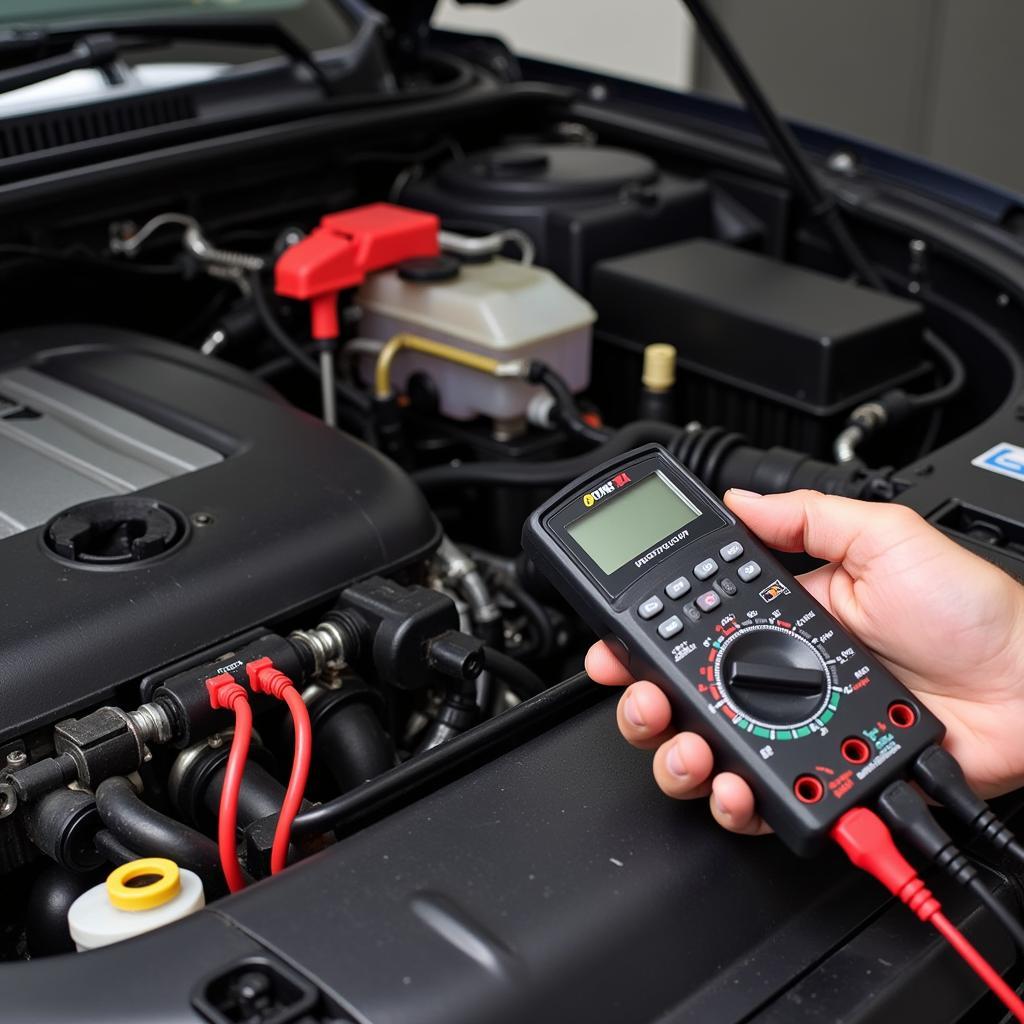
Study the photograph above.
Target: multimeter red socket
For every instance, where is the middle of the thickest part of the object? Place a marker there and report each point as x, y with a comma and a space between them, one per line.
688, 598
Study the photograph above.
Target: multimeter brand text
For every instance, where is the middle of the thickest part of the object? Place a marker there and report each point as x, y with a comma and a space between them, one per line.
662, 548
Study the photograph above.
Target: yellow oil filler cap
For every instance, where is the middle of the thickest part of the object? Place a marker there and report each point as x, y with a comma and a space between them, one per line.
144, 884
136, 897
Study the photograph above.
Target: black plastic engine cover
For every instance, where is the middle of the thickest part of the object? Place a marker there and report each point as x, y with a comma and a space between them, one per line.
556, 884
290, 513
552, 884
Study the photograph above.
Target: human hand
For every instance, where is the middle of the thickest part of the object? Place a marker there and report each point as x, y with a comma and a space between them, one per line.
945, 622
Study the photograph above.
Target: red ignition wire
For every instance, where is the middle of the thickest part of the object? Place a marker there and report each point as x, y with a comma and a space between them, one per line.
866, 840
226, 693
265, 678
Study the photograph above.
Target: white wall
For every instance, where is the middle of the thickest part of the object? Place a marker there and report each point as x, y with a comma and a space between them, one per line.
643, 40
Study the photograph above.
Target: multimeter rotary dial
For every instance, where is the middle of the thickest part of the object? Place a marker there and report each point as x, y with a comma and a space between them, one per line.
774, 677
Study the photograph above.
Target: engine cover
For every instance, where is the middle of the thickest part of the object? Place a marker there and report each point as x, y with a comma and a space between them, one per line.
201, 505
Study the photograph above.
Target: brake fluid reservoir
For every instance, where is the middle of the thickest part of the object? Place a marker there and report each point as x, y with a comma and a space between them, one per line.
499, 308
136, 897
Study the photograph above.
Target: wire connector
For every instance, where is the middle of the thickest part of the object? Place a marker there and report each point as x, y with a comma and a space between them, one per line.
266, 677
225, 692
911, 819
942, 778
868, 843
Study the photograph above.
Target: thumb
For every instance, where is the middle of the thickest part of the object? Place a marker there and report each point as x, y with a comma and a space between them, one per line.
824, 525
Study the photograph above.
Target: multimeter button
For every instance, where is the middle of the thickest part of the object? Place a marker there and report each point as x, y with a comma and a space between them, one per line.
690, 611
669, 628
677, 588
649, 608
731, 551
708, 602
748, 571
706, 569
727, 587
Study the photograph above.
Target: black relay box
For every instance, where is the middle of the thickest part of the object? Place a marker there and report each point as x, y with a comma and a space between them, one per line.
778, 352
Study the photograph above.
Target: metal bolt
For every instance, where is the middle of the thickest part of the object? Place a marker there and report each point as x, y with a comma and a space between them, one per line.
508, 429
16, 759
842, 162
1002, 300
215, 742
573, 131
202, 519
598, 92
216, 339
8, 800
254, 993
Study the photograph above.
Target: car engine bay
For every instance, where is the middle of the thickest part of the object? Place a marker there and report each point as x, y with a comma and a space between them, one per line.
286, 400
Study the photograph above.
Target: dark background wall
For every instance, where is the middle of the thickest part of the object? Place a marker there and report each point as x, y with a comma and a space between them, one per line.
940, 78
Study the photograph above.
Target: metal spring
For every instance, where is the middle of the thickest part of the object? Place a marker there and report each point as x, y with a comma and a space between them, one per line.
197, 244
192, 239
326, 643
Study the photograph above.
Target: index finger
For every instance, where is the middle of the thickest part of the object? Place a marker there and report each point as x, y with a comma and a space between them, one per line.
826, 526
603, 667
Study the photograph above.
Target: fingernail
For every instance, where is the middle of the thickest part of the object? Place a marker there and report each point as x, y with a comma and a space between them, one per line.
631, 710
674, 763
740, 492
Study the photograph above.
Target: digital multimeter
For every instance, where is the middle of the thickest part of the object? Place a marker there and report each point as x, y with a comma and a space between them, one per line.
689, 599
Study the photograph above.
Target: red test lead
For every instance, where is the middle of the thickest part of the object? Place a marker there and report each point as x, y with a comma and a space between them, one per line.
868, 843
227, 694
264, 677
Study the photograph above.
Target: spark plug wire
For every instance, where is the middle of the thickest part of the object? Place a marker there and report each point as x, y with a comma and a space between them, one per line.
227, 694
264, 677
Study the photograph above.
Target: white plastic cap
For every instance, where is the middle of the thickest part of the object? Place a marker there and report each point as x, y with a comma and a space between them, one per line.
136, 898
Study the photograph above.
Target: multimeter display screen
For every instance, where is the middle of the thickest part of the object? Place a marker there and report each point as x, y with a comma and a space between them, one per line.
628, 524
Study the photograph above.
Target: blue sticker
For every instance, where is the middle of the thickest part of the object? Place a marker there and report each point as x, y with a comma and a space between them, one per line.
1004, 458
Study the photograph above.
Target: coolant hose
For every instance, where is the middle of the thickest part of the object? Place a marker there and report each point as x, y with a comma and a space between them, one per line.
568, 411
50, 897
142, 828
259, 796
523, 682
721, 459
348, 738
458, 712
111, 849
555, 472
